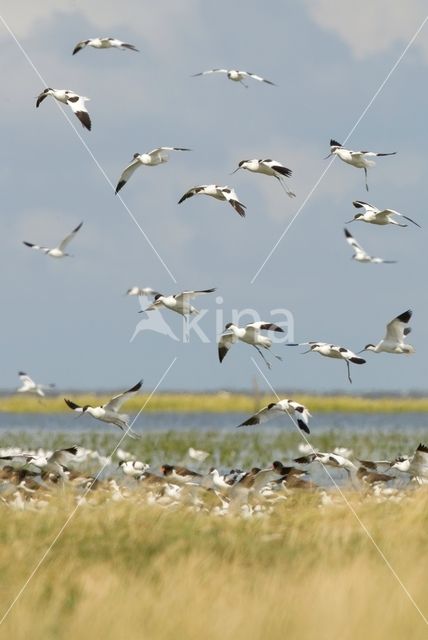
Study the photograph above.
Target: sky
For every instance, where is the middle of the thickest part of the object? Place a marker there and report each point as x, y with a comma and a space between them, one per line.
69, 322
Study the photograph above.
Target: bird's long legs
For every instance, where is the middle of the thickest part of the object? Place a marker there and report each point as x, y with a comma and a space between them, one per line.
289, 193
349, 371
268, 364
365, 173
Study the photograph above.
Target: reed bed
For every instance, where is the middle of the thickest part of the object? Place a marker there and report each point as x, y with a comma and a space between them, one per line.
219, 403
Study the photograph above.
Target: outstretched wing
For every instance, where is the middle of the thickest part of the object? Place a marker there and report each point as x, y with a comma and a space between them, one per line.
359, 204
396, 329
224, 344
204, 73
73, 405
192, 192
261, 416
69, 238
77, 105
63, 456
35, 246
359, 251
264, 326
127, 173
79, 46
256, 77
397, 213
232, 199
187, 295
117, 401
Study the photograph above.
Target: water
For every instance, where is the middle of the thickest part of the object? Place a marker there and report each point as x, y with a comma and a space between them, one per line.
156, 422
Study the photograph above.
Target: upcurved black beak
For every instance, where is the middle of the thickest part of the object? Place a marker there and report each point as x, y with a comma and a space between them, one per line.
237, 169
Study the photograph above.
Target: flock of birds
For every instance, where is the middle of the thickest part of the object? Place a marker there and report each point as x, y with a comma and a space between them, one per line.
28, 480
32, 472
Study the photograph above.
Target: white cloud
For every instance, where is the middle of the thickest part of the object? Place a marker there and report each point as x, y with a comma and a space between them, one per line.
370, 28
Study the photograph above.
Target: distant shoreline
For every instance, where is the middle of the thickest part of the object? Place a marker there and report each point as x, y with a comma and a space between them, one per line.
220, 402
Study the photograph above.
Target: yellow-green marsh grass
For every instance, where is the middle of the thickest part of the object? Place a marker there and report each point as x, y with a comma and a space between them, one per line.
126, 570
219, 402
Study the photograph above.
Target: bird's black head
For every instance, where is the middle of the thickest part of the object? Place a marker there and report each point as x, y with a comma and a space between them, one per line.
157, 296
228, 325
85, 408
271, 405
242, 162
136, 155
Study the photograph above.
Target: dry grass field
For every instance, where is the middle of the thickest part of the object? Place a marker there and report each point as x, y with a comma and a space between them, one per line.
129, 570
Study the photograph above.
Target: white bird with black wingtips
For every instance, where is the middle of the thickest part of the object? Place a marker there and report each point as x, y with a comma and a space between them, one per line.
219, 193
103, 43
396, 332
29, 386
59, 251
373, 215
250, 334
331, 351
277, 408
358, 159
73, 100
268, 167
362, 256
235, 75
149, 159
134, 468
109, 412
178, 302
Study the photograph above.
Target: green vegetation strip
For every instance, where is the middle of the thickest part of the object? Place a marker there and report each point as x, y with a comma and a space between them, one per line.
220, 403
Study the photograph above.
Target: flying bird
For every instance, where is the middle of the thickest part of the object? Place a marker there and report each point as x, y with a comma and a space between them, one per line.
331, 351
276, 408
358, 159
59, 251
29, 386
219, 193
362, 256
396, 332
373, 215
103, 43
56, 462
109, 412
235, 75
416, 465
150, 159
178, 302
250, 334
269, 168
73, 100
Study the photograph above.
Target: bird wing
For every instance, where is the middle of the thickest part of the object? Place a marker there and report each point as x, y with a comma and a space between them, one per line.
277, 166
355, 245
225, 343
159, 150
232, 199
420, 460
79, 46
263, 326
397, 213
127, 173
263, 415
187, 295
35, 246
26, 381
117, 401
254, 76
192, 192
396, 329
77, 105
69, 238
204, 73
40, 98
63, 456
359, 204
73, 405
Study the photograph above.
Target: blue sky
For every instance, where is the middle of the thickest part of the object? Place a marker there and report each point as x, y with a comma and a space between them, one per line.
68, 321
